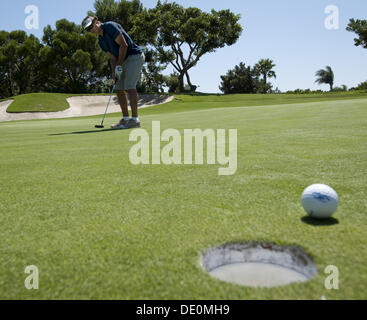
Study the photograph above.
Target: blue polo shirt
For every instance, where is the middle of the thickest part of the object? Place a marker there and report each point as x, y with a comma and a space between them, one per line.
108, 44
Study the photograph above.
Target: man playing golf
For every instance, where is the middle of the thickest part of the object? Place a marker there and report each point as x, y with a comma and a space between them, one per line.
126, 59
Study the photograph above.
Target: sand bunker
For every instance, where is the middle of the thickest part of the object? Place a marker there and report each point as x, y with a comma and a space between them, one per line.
82, 106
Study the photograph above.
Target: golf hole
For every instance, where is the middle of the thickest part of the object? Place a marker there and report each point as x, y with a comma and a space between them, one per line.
258, 264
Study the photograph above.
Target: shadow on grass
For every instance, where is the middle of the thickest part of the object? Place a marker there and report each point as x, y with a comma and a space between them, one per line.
84, 132
320, 222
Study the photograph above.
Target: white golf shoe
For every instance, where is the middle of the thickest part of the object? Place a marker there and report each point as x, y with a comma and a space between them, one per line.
122, 124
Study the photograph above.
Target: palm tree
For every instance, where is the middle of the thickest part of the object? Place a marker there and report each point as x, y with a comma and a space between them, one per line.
325, 76
264, 67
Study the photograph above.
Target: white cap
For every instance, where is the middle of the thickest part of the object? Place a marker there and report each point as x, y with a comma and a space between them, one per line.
87, 23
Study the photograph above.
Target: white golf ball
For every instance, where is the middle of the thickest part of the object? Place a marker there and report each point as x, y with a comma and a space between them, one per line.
320, 201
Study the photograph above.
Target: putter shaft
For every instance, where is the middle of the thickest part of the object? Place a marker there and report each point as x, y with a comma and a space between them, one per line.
109, 100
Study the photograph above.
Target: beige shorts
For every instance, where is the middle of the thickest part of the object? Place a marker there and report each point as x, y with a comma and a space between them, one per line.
131, 69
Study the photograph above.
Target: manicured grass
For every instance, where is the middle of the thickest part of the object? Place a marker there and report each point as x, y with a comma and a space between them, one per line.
196, 102
50, 102
98, 227
39, 102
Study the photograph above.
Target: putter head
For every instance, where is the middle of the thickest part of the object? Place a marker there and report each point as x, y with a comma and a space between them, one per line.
99, 126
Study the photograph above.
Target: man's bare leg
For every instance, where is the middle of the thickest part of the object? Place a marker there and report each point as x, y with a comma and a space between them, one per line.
133, 98
121, 95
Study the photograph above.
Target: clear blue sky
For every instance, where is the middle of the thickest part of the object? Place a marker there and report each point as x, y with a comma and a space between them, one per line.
291, 32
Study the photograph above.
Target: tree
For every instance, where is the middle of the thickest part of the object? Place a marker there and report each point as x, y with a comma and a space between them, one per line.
181, 36
244, 79
325, 76
122, 12
264, 68
362, 86
71, 62
241, 79
19, 65
342, 88
172, 82
9, 43
360, 28
151, 80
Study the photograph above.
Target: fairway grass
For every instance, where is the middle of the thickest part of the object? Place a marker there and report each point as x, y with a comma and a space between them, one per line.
52, 102
98, 227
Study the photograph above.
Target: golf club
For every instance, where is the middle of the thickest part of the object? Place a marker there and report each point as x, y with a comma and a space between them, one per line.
101, 125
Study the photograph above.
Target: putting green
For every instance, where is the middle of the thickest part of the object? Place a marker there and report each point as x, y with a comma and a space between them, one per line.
98, 227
